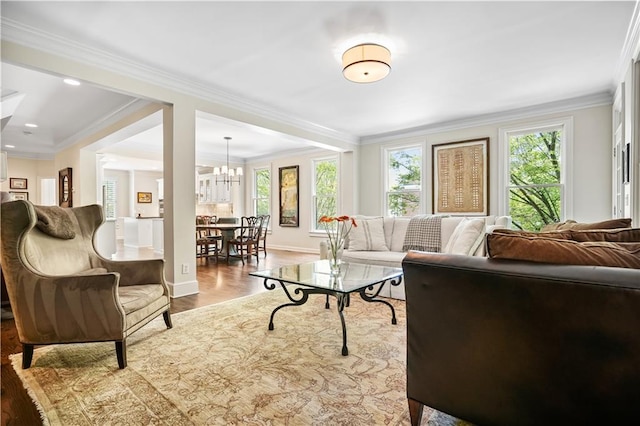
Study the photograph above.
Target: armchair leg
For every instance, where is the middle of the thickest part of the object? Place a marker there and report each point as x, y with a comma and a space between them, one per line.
27, 355
121, 352
415, 411
167, 319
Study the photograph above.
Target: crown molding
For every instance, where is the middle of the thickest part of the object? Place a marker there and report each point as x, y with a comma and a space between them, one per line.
35, 38
13, 153
631, 47
589, 101
113, 117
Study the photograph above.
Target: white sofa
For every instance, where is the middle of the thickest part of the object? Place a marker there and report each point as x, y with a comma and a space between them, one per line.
395, 229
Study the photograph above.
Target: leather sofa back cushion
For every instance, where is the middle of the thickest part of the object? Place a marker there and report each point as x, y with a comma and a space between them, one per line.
567, 252
621, 235
572, 224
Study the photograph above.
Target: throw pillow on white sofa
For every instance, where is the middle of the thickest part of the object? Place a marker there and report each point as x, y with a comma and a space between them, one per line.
467, 237
368, 235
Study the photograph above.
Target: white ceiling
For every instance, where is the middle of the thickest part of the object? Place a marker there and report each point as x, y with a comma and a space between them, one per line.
450, 61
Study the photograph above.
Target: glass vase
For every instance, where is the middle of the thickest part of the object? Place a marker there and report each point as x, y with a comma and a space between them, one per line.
334, 257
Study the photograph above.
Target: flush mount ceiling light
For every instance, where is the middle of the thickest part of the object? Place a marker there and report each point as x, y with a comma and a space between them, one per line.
366, 63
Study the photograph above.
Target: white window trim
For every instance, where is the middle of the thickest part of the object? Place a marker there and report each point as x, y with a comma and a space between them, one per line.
384, 158
313, 231
566, 154
254, 190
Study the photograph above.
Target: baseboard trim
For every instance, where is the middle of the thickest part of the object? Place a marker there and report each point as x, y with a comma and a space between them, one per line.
185, 288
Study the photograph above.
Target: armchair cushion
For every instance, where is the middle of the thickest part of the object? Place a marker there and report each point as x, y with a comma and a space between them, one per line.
54, 221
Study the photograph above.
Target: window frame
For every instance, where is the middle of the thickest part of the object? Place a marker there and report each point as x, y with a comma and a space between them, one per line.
565, 124
313, 225
106, 182
254, 195
386, 151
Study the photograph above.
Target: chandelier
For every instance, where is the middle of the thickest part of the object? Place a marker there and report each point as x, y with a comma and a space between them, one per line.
226, 174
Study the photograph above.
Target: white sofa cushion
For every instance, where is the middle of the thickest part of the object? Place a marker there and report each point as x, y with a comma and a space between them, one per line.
398, 231
467, 237
382, 258
368, 235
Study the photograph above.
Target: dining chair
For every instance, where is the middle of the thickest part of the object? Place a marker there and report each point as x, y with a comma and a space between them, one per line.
208, 241
246, 240
262, 243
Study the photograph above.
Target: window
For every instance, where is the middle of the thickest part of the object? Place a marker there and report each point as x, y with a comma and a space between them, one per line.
404, 181
109, 198
262, 191
536, 174
325, 190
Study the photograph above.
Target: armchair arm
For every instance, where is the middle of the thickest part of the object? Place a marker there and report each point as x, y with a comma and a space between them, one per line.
68, 308
133, 272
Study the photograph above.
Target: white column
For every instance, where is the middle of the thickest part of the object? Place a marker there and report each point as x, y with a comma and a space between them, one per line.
179, 198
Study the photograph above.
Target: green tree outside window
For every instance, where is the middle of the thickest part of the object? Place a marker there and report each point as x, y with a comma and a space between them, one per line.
263, 192
535, 190
326, 189
405, 181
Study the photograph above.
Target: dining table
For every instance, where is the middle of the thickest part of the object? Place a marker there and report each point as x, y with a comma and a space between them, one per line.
228, 232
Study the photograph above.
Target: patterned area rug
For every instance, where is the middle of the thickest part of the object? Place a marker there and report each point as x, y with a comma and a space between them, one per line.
220, 365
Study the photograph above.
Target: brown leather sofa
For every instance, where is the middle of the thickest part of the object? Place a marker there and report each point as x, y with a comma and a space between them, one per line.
503, 342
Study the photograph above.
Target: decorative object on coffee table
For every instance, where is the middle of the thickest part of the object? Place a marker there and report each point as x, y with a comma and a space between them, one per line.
338, 229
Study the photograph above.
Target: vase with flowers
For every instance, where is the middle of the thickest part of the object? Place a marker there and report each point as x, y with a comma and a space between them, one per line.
337, 228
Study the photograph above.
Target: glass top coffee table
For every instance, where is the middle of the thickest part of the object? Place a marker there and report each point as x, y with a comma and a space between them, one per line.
316, 278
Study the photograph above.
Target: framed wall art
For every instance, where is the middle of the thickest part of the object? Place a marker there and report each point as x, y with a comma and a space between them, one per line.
289, 201
19, 195
144, 197
65, 188
460, 177
18, 183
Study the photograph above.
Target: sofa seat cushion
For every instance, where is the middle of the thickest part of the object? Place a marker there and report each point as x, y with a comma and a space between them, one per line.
135, 297
382, 258
568, 252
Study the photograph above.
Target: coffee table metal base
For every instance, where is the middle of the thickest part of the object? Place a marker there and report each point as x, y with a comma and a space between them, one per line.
301, 295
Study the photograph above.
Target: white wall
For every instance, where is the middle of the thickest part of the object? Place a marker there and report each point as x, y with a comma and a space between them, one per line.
301, 238
145, 182
33, 171
591, 165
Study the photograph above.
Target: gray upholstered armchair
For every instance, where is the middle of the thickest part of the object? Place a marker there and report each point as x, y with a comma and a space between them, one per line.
62, 291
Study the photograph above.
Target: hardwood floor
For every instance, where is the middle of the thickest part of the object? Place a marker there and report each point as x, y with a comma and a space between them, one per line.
217, 283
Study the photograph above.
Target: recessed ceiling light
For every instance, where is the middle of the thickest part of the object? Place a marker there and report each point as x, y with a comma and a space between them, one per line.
9, 146
30, 125
71, 82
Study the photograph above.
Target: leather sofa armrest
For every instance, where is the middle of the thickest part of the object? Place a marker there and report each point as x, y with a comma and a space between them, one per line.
500, 341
